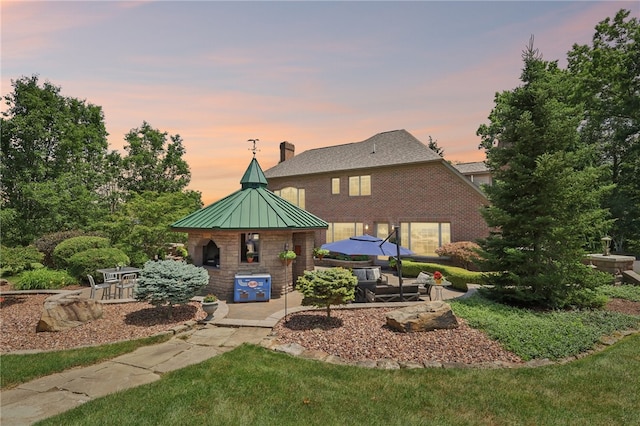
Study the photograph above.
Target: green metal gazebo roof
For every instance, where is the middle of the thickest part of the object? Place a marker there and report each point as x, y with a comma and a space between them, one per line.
252, 207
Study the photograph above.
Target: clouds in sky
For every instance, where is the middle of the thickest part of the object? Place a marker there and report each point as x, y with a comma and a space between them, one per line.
311, 73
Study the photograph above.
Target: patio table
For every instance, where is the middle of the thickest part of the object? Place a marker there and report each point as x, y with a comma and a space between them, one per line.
119, 272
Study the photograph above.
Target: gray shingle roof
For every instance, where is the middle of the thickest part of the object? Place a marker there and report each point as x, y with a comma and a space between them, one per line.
476, 167
384, 149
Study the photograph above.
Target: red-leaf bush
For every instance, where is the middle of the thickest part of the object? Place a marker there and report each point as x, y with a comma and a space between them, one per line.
464, 254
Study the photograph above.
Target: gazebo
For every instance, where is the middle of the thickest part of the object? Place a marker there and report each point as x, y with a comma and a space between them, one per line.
243, 233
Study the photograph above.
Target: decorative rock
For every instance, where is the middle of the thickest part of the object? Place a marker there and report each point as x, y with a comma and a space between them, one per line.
61, 314
388, 364
422, 317
291, 349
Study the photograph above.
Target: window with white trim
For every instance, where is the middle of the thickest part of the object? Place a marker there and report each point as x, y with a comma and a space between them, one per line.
359, 185
293, 195
342, 230
423, 238
335, 186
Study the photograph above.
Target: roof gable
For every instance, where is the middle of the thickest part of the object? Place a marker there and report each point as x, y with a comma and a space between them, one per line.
475, 167
384, 149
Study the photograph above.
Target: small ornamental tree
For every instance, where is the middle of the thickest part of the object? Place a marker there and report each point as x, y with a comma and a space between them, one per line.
323, 288
169, 282
462, 253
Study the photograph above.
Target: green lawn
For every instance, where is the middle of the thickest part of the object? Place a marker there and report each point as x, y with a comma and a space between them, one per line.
254, 386
18, 369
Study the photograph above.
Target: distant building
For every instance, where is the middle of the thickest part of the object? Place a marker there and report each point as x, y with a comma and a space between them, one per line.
477, 172
389, 179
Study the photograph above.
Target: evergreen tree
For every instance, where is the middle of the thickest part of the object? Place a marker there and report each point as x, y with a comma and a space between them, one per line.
545, 198
433, 145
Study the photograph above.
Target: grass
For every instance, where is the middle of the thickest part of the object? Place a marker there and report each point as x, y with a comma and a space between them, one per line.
22, 368
252, 385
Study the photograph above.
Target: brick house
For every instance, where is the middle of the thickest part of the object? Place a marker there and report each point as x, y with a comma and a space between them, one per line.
389, 179
477, 172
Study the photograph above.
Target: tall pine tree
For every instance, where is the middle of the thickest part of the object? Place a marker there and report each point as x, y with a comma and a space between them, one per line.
545, 198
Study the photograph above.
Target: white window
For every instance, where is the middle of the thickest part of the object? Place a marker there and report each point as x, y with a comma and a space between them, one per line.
342, 230
359, 185
335, 185
293, 195
423, 238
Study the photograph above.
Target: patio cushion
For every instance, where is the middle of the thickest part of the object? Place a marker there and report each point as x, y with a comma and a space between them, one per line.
373, 274
361, 274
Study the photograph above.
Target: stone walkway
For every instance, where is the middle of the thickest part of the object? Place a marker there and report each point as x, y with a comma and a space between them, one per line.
233, 325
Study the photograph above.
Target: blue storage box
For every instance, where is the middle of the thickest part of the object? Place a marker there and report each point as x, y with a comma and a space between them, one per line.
252, 288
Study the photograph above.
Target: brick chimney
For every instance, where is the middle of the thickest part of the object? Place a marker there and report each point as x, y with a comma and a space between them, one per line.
287, 151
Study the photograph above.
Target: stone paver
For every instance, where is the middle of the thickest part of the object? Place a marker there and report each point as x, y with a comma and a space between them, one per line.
51, 395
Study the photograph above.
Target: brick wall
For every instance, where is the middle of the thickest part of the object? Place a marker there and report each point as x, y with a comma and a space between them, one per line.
426, 192
221, 280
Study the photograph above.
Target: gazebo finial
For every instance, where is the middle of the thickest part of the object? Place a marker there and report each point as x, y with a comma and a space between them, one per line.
254, 149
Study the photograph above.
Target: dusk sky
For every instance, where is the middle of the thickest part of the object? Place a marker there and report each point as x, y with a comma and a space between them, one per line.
311, 73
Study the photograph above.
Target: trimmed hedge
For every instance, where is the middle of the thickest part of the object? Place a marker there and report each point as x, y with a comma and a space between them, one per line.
14, 260
66, 249
89, 261
48, 242
458, 277
43, 278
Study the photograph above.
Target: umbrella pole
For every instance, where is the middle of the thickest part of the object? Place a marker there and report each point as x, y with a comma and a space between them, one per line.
396, 229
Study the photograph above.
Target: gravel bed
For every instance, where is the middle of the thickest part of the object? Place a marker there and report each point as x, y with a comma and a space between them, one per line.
20, 314
362, 334
354, 335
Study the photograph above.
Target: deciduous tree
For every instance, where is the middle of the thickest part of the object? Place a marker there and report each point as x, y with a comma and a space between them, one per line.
47, 137
152, 163
606, 75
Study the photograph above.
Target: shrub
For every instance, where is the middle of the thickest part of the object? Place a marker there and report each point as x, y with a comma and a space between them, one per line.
43, 278
66, 249
327, 287
170, 282
48, 242
458, 277
462, 253
14, 260
89, 261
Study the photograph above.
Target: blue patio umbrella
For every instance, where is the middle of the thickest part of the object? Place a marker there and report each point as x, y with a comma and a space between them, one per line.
366, 245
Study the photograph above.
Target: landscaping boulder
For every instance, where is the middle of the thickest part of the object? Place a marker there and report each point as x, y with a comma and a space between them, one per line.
61, 314
426, 316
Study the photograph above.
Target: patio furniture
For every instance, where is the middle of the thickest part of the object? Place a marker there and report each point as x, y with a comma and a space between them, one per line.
391, 293
368, 278
111, 278
426, 279
128, 282
116, 274
95, 287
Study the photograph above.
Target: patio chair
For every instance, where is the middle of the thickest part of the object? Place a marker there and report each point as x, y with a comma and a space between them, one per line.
106, 288
128, 282
111, 277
